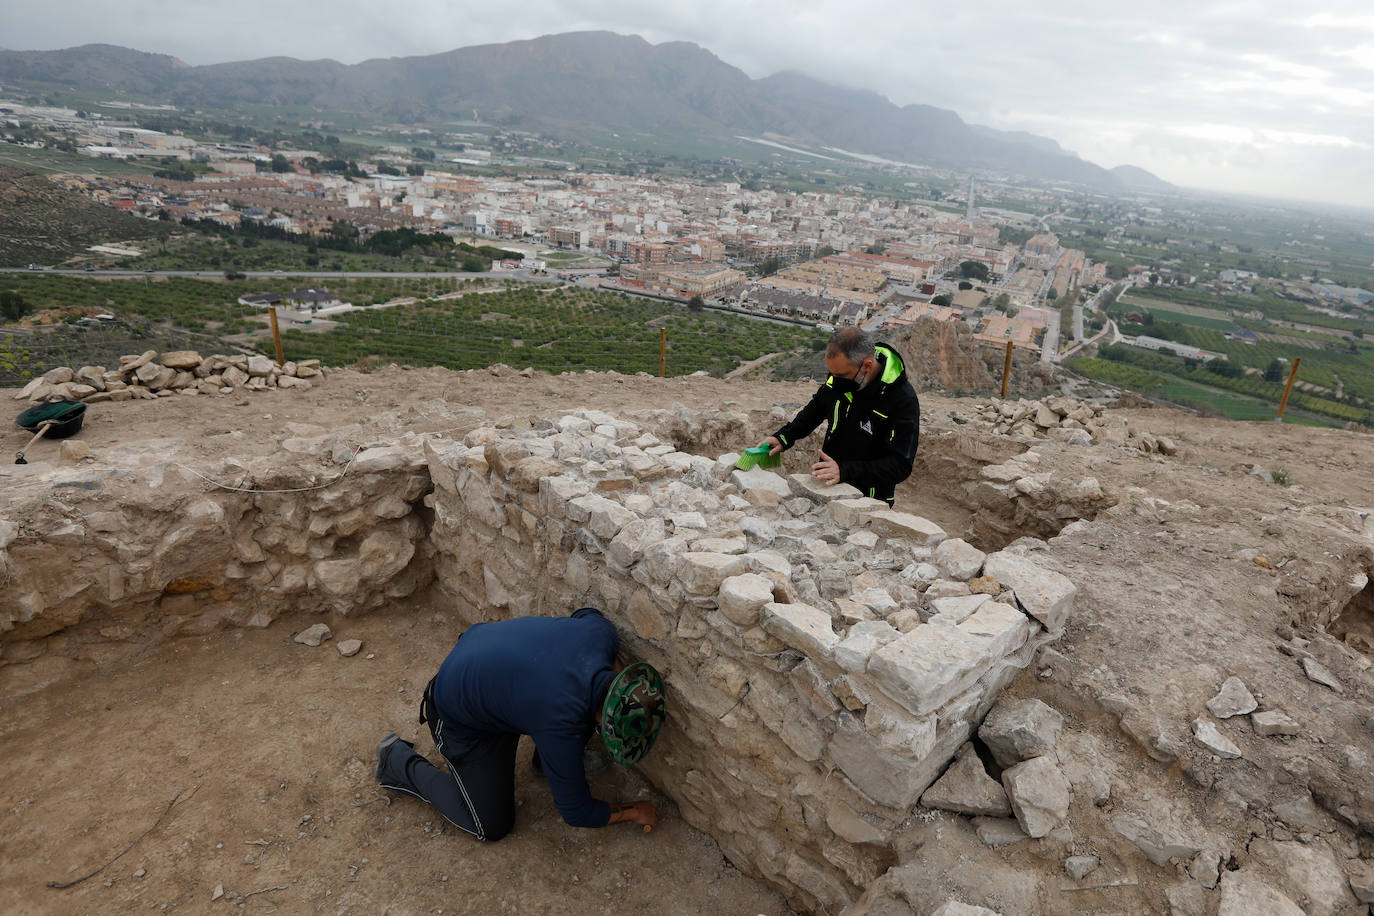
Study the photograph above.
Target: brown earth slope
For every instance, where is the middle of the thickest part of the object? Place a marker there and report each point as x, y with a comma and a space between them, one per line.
1198, 572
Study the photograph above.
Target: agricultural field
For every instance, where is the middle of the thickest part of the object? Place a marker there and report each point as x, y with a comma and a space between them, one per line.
460, 324
1206, 399
549, 329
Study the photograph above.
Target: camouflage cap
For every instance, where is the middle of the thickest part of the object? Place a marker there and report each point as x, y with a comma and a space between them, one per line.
633, 713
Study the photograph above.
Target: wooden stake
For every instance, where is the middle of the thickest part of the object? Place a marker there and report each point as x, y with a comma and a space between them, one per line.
1292, 377
1006, 370
276, 334
662, 352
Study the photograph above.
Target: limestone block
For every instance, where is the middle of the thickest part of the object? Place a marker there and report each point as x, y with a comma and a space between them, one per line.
1039, 795
947, 588
93, 376
864, 638
1308, 871
339, 578
129, 364
702, 573
930, 665
760, 479
957, 609
878, 600
1205, 733
1159, 847
885, 777
812, 687
235, 377
181, 359
628, 546
606, 516
1044, 594
852, 513
388, 458
661, 558
59, 376
1020, 729
644, 467
811, 488
688, 521
804, 628
958, 559
742, 598
556, 493
851, 827
1243, 894
966, 788
259, 366
1273, 722
892, 524
721, 545
998, 831
313, 635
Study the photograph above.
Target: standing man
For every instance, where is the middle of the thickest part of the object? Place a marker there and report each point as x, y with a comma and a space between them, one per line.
872, 414
555, 679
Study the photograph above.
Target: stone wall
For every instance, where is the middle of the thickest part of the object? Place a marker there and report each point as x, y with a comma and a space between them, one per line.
826, 656
143, 544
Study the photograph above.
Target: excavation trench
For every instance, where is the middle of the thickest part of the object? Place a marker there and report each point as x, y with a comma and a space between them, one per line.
816, 689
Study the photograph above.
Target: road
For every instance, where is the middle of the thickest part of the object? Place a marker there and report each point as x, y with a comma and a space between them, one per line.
524, 275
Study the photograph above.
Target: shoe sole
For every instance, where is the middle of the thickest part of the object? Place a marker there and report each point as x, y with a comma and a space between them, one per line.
379, 755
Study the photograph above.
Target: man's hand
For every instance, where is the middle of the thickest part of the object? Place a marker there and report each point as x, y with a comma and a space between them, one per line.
773, 441
826, 470
643, 813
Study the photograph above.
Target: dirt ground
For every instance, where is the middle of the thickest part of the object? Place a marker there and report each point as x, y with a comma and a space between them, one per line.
267, 744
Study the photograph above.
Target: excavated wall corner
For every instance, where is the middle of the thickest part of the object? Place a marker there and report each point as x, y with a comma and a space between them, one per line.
825, 655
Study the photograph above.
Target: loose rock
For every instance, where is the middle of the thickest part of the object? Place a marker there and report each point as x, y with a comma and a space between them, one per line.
1233, 700
1273, 722
1207, 734
313, 635
349, 647
966, 788
1317, 673
1039, 795
1079, 867
1017, 730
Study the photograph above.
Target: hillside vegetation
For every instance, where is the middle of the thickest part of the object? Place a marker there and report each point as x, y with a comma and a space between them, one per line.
45, 223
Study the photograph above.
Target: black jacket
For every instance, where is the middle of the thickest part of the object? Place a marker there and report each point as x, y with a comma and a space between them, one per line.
872, 434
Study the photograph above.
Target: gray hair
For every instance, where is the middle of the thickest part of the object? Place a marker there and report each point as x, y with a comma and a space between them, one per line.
852, 343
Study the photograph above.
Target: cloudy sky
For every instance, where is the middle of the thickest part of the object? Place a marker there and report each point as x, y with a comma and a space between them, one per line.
1273, 98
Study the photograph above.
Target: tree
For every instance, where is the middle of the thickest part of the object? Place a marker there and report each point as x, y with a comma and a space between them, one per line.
280, 164
825, 251
1274, 371
1002, 302
1052, 295
974, 270
696, 304
942, 299
12, 305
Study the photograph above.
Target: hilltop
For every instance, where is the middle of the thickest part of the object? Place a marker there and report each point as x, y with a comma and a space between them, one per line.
1191, 568
579, 84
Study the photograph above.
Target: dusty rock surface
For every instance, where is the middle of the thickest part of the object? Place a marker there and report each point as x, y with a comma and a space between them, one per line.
1189, 570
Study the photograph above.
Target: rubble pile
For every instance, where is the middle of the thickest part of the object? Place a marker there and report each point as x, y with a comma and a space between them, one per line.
1066, 420
149, 376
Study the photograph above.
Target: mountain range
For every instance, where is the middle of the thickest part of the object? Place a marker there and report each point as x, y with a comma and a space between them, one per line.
575, 84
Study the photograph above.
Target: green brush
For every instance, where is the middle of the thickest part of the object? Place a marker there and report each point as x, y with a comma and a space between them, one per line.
758, 457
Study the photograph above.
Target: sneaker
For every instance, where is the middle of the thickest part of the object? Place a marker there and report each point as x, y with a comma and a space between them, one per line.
383, 750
